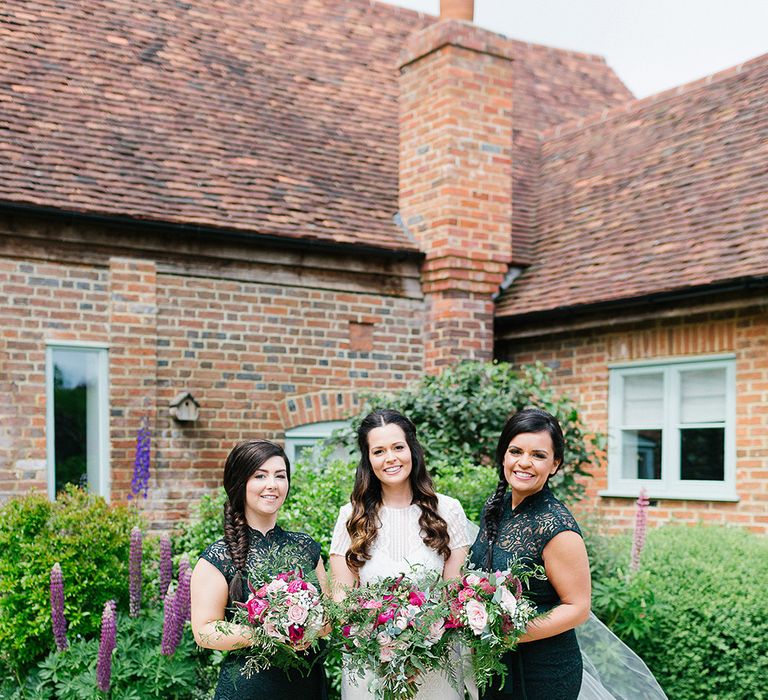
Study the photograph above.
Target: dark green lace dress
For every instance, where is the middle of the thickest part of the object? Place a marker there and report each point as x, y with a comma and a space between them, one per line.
271, 684
546, 669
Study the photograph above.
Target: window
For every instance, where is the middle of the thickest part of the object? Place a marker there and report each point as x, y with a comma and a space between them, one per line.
300, 441
671, 430
77, 419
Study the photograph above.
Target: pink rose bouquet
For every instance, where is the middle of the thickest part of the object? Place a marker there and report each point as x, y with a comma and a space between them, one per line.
489, 613
286, 615
394, 629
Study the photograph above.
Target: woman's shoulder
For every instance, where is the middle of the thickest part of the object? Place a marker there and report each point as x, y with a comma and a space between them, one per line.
560, 514
345, 511
449, 504
217, 553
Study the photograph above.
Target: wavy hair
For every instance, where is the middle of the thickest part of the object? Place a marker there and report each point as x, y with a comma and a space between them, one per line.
244, 459
363, 524
528, 420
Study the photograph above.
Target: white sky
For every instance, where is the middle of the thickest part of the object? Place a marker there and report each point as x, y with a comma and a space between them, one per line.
651, 44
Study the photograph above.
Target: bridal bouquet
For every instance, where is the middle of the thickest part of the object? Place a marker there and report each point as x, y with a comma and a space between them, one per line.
489, 613
393, 628
286, 615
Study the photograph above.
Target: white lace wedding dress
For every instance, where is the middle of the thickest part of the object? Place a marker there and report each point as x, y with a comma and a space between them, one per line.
396, 549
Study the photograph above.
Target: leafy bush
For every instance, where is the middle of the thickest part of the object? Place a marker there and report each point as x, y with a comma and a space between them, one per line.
89, 538
460, 413
139, 670
710, 635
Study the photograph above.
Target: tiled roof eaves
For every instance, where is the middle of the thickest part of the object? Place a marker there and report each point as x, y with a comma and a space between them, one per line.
509, 318
280, 242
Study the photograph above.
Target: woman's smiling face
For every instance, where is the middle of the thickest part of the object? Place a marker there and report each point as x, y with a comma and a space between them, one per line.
266, 489
389, 454
528, 462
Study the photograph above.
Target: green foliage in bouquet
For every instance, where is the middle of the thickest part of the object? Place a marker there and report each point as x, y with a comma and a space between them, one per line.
710, 631
139, 670
459, 415
89, 538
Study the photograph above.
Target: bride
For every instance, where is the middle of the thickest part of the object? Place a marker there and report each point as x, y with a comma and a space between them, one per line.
395, 521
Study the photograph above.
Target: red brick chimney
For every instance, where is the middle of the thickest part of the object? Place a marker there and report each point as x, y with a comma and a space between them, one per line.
457, 9
456, 180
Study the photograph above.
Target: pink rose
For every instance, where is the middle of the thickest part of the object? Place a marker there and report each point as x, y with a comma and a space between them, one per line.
256, 608
452, 622
477, 616
276, 585
297, 614
508, 601
371, 604
385, 617
295, 586
465, 594
383, 638
295, 633
471, 580
386, 654
417, 598
285, 576
435, 631
271, 630
346, 631
486, 586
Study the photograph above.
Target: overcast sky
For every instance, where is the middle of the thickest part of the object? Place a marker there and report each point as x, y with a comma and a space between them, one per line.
651, 44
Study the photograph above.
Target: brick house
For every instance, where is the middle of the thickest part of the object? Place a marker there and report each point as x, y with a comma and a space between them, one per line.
263, 209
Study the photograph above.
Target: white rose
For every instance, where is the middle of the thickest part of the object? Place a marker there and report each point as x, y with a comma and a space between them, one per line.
508, 601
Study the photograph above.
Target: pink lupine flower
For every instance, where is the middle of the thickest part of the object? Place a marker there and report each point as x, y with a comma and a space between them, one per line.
58, 621
107, 645
134, 573
166, 565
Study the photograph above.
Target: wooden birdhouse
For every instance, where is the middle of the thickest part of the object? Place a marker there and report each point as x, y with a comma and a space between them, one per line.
185, 407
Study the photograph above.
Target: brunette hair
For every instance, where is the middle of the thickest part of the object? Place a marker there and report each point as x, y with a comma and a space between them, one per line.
244, 459
362, 525
528, 420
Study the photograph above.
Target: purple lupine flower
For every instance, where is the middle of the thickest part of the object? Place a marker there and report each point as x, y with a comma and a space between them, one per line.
134, 573
641, 524
166, 565
58, 621
167, 646
107, 645
181, 604
140, 480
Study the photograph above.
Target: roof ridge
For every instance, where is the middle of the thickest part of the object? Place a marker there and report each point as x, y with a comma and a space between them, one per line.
569, 127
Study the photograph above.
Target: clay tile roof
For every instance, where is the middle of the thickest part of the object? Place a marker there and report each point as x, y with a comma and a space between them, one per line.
275, 117
664, 194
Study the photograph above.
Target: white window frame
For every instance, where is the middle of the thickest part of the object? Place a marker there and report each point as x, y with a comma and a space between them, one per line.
101, 474
308, 435
670, 485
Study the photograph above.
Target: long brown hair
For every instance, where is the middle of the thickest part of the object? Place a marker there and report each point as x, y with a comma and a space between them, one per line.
245, 458
362, 525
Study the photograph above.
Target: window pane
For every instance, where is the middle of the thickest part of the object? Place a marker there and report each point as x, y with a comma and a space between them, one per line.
702, 454
702, 396
643, 399
641, 454
75, 411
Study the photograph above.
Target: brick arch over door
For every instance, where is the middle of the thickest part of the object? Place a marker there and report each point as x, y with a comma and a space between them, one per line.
316, 407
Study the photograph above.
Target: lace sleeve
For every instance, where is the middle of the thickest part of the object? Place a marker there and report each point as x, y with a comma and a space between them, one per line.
453, 514
341, 542
218, 555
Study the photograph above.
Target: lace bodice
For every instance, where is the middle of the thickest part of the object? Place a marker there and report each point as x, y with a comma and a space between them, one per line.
399, 545
523, 534
277, 545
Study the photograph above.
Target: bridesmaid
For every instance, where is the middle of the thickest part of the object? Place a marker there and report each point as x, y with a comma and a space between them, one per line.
529, 525
395, 520
257, 477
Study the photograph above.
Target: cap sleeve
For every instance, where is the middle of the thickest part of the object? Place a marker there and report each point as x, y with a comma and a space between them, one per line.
341, 542
453, 514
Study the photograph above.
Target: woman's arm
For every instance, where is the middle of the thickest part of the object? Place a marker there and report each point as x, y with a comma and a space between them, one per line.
341, 575
209, 592
567, 568
453, 564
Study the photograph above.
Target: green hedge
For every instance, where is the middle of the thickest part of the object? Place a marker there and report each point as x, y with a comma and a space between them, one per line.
697, 610
90, 540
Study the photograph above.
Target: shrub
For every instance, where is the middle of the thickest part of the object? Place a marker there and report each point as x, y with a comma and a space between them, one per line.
460, 413
711, 615
88, 538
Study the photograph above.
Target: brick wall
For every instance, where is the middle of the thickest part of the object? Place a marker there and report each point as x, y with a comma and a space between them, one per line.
456, 132
260, 348
580, 362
